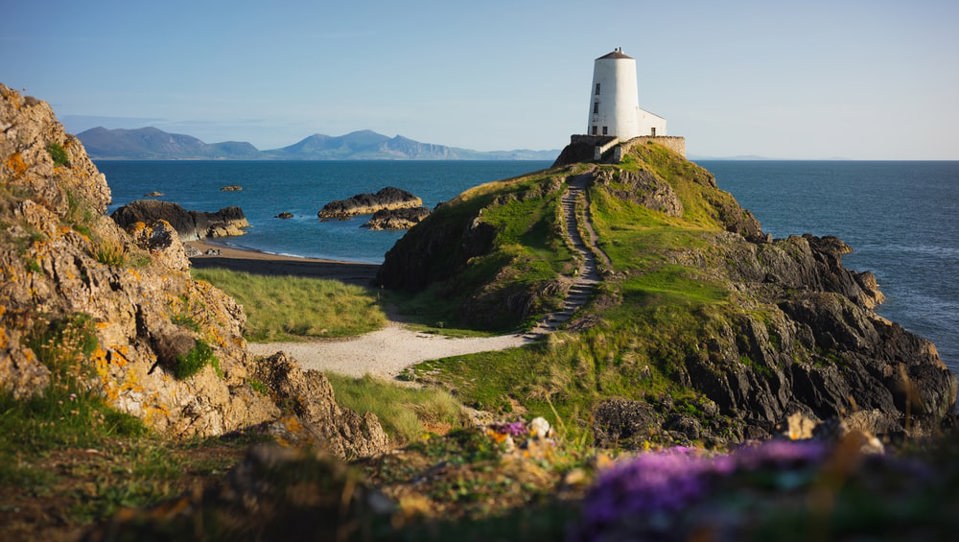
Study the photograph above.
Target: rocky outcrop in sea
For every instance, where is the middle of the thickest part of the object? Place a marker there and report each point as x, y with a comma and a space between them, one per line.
389, 198
397, 219
190, 225
115, 310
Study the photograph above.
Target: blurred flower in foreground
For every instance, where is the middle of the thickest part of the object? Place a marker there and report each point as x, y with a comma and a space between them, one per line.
646, 489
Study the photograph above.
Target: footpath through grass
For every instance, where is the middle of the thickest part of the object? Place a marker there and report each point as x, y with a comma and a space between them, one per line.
281, 308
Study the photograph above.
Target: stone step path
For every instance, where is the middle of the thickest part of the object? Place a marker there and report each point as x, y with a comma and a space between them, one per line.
587, 275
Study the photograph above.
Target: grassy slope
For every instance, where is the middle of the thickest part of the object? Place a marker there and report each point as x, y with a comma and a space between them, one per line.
527, 254
298, 308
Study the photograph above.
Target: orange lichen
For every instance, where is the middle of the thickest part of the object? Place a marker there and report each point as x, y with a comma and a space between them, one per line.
16, 164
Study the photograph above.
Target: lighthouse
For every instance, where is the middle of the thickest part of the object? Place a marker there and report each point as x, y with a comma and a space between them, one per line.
614, 100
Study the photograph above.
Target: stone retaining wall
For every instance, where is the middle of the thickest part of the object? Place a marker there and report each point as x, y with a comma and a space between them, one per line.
676, 144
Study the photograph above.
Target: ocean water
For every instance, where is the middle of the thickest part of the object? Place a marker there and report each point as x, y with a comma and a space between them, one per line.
901, 218
302, 188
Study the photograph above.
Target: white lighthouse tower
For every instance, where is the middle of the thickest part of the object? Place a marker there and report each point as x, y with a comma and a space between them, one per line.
614, 101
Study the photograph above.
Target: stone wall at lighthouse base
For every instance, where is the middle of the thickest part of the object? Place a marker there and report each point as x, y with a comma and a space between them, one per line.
676, 144
587, 148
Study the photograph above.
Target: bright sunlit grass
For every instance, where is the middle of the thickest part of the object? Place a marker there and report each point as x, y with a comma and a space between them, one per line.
297, 308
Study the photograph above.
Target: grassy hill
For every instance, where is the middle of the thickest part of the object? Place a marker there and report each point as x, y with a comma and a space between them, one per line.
703, 329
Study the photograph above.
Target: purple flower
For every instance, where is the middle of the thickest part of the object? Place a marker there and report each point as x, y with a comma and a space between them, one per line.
513, 429
780, 454
654, 485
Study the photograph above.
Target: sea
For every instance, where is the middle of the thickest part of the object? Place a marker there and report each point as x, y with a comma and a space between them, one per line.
901, 218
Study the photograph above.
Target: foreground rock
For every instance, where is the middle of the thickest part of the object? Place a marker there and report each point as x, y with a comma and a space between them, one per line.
191, 225
388, 198
119, 311
397, 219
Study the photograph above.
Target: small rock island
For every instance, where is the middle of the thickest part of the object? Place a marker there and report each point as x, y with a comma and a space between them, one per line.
388, 198
397, 219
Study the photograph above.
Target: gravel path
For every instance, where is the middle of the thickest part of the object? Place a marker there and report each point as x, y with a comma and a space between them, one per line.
383, 353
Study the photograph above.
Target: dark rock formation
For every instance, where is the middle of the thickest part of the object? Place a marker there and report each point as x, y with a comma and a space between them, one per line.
285, 215
231, 188
388, 198
397, 219
191, 225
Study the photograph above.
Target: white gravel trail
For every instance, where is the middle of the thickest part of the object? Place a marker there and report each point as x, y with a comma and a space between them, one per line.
383, 353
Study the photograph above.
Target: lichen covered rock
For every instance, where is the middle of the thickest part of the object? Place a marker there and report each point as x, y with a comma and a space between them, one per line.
155, 343
397, 219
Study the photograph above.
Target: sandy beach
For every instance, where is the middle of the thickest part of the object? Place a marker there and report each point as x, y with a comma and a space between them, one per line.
383, 353
263, 263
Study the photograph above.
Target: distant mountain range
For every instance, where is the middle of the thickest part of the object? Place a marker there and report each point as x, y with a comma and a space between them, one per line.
155, 144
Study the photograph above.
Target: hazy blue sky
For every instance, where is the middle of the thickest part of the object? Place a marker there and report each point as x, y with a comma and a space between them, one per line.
811, 79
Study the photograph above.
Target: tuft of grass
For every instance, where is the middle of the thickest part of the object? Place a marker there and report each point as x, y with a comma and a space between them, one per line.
406, 413
109, 254
58, 154
298, 308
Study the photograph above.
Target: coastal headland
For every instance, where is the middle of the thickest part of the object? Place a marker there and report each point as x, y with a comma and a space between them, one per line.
691, 344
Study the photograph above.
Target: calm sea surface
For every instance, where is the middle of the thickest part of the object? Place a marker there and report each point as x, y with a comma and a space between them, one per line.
901, 218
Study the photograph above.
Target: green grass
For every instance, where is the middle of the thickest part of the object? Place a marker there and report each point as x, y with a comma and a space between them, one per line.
58, 154
406, 413
298, 308
196, 359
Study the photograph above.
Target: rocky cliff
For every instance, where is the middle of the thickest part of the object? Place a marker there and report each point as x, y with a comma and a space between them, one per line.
190, 225
118, 311
704, 327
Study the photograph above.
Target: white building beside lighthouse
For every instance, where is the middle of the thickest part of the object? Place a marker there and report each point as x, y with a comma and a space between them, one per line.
614, 101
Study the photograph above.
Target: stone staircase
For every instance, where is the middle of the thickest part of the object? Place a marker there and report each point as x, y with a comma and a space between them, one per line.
587, 276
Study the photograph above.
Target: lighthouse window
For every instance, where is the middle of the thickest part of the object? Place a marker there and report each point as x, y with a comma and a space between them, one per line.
595, 108
594, 129
597, 89
605, 130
